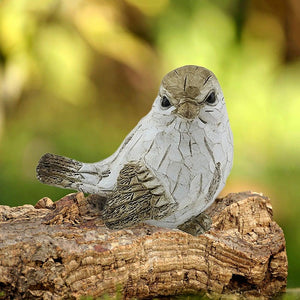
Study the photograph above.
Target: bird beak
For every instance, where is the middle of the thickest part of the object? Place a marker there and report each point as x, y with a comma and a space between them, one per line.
188, 110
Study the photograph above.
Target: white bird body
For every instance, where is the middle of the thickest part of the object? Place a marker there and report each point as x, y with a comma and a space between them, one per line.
187, 148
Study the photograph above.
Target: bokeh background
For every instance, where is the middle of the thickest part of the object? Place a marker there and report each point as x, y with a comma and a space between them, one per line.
77, 75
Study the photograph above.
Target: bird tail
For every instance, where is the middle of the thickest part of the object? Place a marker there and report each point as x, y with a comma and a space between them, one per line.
67, 173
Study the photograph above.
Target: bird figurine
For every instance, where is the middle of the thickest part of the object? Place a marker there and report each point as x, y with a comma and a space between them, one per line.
169, 168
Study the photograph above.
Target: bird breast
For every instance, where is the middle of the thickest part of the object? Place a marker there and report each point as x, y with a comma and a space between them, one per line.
184, 159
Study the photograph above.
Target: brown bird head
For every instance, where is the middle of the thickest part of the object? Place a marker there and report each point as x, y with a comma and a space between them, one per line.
187, 89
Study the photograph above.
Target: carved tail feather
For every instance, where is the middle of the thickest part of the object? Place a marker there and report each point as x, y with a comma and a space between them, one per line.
58, 170
65, 172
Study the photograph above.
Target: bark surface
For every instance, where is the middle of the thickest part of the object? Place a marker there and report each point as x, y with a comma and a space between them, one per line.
63, 250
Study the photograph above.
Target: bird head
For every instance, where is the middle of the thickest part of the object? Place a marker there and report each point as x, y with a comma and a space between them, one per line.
191, 92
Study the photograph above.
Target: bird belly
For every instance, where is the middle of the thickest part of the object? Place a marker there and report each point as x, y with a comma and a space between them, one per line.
193, 171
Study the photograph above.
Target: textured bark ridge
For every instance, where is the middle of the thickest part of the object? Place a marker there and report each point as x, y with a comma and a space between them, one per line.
63, 250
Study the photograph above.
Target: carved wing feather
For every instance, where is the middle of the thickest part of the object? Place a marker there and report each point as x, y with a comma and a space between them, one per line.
138, 196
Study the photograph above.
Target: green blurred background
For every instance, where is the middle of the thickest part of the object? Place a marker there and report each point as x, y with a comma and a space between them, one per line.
76, 76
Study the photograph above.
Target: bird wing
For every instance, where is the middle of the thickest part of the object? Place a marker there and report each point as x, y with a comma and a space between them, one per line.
138, 196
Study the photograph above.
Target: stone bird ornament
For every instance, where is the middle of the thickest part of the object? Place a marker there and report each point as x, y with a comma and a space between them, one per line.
169, 168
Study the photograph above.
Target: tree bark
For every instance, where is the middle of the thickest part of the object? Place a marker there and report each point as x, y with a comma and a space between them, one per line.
63, 250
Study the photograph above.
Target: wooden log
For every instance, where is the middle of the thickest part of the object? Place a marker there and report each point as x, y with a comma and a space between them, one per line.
63, 250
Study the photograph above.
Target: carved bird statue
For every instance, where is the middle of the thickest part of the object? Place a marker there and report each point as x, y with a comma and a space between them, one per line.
170, 167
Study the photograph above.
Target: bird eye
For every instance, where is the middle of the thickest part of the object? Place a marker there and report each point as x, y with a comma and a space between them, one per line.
165, 103
211, 98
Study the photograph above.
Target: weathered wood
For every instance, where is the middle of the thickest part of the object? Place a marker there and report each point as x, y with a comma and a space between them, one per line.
63, 249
